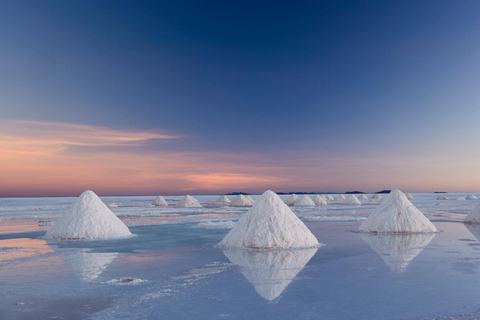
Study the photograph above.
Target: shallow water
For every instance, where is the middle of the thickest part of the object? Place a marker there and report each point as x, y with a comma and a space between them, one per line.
170, 269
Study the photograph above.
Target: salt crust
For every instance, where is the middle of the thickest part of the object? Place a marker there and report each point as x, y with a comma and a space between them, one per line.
319, 200
398, 250
351, 199
474, 215
269, 224
215, 225
291, 200
240, 201
160, 202
304, 200
396, 214
270, 272
188, 202
88, 218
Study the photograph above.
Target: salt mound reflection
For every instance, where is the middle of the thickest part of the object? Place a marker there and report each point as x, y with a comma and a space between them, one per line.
270, 272
398, 250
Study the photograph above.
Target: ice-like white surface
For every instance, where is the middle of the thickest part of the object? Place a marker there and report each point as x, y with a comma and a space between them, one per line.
304, 200
269, 224
88, 218
474, 215
396, 214
188, 202
241, 201
160, 202
351, 199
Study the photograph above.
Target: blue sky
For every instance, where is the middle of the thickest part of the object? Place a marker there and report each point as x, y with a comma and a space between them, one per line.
281, 82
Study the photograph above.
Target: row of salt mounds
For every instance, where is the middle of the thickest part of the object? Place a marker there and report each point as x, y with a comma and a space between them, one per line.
376, 196
319, 200
188, 202
222, 201
291, 200
250, 199
88, 218
473, 216
396, 214
269, 224
351, 199
241, 201
471, 197
340, 197
362, 197
160, 202
304, 201
442, 198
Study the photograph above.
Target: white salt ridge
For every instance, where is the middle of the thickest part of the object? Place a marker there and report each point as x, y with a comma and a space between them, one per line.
362, 197
474, 215
126, 281
291, 200
188, 202
340, 197
215, 225
398, 250
376, 196
471, 197
409, 196
112, 205
269, 224
396, 214
318, 200
160, 202
351, 199
333, 218
442, 198
240, 201
222, 201
88, 218
304, 200
270, 272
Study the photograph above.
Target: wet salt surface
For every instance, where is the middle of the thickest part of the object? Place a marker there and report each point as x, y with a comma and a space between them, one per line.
176, 273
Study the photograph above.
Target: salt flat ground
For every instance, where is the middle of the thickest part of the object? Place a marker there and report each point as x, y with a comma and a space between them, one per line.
171, 269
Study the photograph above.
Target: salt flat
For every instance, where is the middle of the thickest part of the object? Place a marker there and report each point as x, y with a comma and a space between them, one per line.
170, 269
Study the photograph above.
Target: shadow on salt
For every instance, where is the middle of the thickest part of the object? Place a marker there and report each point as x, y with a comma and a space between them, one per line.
398, 250
270, 271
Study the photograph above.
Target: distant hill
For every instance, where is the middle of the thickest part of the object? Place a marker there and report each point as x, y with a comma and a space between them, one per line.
440, 192
384, 191
354, 192
236, 193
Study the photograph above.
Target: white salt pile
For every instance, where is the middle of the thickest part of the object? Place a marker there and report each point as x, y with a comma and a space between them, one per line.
329, 198
409, 196
250, 199
318, 200
160, 202
442, 198
188, 202
460, 198
362, 197
376, 196
473, 216
340, 197
88, 218
112, 205
270, 272
291, 200
222, 201
398, 250
471, 197
396, 214
240, 201
304, 200
351, 199
269, 224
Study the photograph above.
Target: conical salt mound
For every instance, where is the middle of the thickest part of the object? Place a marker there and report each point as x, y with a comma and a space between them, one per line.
362, 197
329, 198
340, 197
398, 250
188, 202
474, 229
270, 272
396, 214
318, 200
473, 216
250, 199
376, 196
471, 197
351, 199
291, 200
240, 201
222, 201
88, 218
160, 202
304, 200
269, 224
409, 196
442, 198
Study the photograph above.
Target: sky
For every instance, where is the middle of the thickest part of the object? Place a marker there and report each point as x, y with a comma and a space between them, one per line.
210, 97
